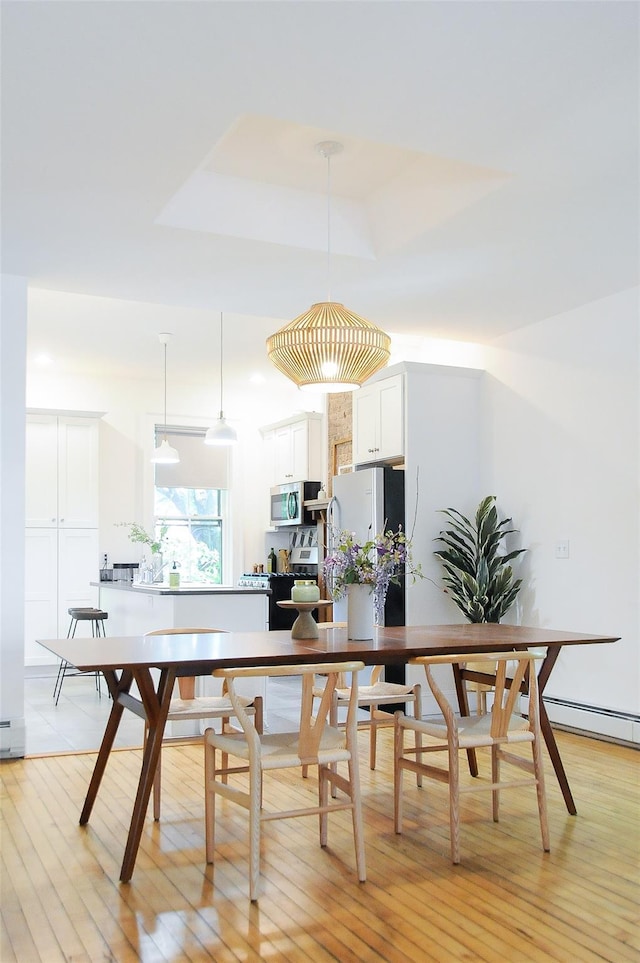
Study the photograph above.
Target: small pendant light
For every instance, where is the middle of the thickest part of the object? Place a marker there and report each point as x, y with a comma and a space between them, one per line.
221, 433
164, 454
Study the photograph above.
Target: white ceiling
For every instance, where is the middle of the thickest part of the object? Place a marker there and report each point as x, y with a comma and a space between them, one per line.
489, 177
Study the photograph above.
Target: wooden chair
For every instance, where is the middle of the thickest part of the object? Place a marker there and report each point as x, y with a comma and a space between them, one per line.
378, 693
502, 726
315, 743
189, 706
478, 678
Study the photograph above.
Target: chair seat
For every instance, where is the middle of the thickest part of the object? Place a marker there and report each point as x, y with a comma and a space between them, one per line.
381, 690
196, 708
475, 731
280, 749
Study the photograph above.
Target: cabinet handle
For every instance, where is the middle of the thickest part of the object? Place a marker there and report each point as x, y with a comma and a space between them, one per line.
53, 519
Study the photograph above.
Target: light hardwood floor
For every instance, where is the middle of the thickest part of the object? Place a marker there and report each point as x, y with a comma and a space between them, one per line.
507, 901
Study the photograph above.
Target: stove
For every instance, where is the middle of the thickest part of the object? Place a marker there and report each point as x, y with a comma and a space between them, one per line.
280, 584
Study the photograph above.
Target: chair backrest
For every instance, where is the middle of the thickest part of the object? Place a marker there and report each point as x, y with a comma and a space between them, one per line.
506, 686
311, 727
186, 686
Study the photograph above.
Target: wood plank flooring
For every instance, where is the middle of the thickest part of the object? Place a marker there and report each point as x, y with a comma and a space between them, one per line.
507, 901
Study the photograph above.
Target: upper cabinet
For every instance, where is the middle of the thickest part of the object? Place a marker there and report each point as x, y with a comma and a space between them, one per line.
293, 449
378, 421
61, 471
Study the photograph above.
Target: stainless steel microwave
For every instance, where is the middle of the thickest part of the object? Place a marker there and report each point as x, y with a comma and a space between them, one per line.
287, 503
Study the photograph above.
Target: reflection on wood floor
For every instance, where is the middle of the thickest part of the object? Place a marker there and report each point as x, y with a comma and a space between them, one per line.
507, 901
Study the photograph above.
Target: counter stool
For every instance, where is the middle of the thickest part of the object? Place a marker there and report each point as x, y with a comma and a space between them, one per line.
97, 618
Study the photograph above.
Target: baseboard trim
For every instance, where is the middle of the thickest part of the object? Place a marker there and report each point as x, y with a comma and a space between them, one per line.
611, 723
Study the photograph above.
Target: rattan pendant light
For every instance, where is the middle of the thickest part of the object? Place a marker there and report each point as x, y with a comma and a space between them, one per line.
329, 348
164, 454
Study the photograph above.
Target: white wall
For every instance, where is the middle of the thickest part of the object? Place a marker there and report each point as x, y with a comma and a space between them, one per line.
563, 454
13, 304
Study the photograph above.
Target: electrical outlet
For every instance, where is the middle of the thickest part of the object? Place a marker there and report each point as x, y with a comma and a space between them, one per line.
562, 548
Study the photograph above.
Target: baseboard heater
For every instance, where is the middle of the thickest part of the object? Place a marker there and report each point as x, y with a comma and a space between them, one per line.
607, 722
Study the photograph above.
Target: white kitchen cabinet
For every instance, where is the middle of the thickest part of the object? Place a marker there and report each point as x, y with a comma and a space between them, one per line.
61, 471
293, 450
378, 421
59, 564
61, 550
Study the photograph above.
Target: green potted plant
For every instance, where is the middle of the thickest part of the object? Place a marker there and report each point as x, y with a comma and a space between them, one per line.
155, 544
478, 578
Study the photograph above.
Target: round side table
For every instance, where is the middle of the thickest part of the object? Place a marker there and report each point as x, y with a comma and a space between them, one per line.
305, 626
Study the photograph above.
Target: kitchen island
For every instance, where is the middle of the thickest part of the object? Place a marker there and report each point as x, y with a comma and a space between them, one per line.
135, 609
138, 608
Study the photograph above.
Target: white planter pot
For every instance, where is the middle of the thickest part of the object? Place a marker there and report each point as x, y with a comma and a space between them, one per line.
360, 612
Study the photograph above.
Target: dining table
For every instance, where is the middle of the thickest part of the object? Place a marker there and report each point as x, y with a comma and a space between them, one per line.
154, 662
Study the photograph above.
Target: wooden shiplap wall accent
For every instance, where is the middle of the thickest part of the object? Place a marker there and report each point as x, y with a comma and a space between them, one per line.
339, 430
507, 901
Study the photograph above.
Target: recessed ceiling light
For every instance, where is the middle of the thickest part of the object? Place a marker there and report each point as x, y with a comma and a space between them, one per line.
43, 359
257, 379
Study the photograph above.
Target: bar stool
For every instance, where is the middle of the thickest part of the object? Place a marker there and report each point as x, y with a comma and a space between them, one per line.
97, 618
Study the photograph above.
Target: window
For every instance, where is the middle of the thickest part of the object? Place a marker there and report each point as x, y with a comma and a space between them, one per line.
191, 507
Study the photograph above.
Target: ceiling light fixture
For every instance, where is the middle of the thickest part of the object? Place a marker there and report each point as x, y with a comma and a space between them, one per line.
221, 433
164, 454
329, 348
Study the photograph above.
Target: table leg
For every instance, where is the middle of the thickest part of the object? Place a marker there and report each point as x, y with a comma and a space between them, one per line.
156, 706
463, 704
116, 686
550, 740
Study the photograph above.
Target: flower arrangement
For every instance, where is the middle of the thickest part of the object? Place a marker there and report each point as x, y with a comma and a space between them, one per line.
378, 562
138, 534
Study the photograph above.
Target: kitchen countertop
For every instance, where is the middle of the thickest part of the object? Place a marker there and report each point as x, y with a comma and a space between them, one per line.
163, 589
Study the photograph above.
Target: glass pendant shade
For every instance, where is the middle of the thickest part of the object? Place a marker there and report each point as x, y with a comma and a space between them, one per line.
164, 454
329, 348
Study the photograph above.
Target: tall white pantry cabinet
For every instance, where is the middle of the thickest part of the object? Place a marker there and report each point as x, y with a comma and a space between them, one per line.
61, 550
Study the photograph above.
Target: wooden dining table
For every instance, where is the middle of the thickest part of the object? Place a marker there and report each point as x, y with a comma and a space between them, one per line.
129, 659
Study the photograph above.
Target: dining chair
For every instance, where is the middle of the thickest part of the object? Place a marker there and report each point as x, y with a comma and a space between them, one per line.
371, 697
314, 743
189, 706
504, 725
478, 678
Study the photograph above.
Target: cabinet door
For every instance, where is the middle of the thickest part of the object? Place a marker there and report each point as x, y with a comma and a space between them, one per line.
77, 567
391, 434
77, 473
365, 424
284, 461
378, 421
40, 593
41, 471
299, 447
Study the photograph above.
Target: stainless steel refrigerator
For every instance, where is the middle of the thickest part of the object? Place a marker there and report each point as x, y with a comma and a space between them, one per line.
367, 502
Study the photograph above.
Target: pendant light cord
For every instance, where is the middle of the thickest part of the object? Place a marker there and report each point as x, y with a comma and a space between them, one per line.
221, 365
165, 391
328, 227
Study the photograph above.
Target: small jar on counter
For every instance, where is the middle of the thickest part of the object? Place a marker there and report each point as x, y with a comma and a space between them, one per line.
174, 577
305, 590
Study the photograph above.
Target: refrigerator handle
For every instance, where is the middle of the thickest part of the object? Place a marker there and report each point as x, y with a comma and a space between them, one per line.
331, 530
